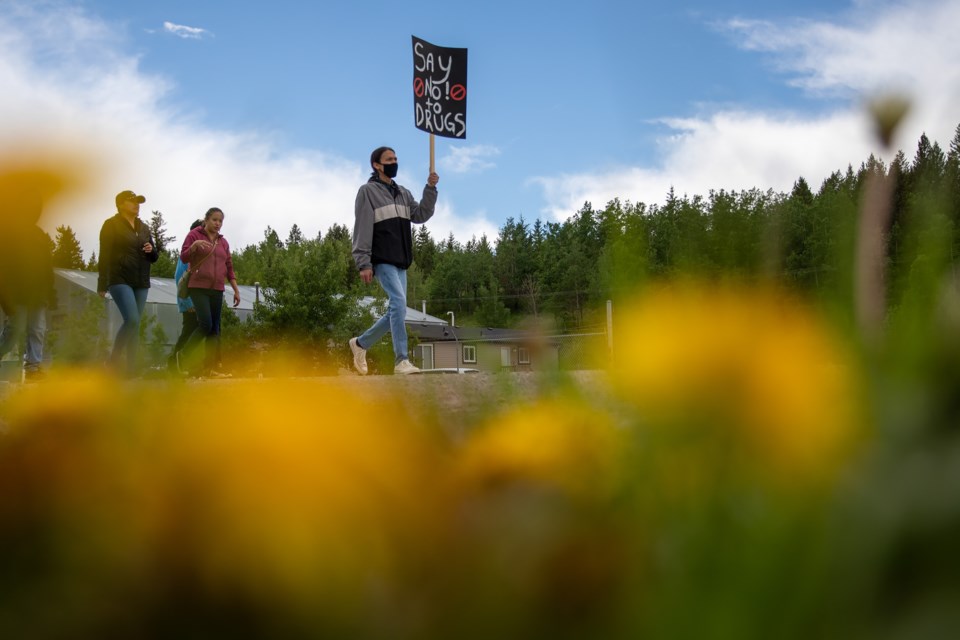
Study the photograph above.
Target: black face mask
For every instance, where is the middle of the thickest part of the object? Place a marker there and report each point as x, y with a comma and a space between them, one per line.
390, 170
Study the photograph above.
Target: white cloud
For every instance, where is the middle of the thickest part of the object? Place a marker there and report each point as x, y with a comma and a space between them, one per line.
911, 46
185, 32
907, 47
728, 151
92, 97
470, 159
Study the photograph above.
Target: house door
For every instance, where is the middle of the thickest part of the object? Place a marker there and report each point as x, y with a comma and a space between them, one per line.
505, 360
426, 353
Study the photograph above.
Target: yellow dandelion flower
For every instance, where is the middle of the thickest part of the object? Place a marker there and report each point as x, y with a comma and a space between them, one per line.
560, 443
293, 490
298, 496
754, 361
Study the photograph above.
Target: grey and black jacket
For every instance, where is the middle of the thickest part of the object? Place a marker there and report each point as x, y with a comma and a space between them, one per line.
381, 229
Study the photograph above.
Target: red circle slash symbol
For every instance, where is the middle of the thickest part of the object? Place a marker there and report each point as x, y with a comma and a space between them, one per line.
418, 87
458, 92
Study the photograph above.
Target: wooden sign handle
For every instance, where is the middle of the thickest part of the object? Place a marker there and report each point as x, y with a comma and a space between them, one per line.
433, 165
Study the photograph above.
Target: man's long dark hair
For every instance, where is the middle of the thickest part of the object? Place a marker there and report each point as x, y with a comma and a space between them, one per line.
375, 157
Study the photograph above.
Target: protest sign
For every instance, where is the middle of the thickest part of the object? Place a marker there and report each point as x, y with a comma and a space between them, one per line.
440, 89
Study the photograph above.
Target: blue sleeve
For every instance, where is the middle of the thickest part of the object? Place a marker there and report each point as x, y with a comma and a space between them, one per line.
184, 304
181, 269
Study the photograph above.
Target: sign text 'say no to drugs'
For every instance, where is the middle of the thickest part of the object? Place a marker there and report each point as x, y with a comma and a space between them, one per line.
440, 89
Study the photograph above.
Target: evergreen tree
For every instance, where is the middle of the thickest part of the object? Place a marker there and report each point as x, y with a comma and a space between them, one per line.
417, 288
929, 164
82, 337
952, 189
158, 231
903, 179
480, 265
952, 170
306, 303
693, 255
424, 250
616, 259
570, 275
153, 341
924, 236
270, 253
801, 236
837, 216
449, 284
339, 233
247, 264
295, 237
338, 238
515, 259
451, 244
67, 253
491, 311
166, 264
535, 282
665, 240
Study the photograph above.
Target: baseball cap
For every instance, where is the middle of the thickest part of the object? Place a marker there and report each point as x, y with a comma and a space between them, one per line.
129, 195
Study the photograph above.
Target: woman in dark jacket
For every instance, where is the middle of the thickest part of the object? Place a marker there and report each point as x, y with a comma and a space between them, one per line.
126, 253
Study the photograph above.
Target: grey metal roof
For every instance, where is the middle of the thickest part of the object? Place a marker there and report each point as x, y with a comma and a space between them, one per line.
413, 315
161, 291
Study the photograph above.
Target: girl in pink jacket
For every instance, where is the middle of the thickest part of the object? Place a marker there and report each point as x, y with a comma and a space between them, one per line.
207, 253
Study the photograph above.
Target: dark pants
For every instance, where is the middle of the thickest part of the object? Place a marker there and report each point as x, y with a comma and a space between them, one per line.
208, 304
186, 330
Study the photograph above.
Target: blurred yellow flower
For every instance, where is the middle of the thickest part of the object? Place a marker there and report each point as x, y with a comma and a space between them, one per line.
315, 489
300, 497
753, 360
564, 444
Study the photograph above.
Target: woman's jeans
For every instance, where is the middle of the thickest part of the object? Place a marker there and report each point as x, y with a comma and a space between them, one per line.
208, 304
394, 282
130, 302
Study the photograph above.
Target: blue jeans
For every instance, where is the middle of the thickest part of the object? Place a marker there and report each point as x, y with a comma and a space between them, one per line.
130, 302
209, 305
33, 323
394, 282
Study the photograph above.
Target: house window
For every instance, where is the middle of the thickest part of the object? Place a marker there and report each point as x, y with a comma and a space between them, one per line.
523, 355
469, 353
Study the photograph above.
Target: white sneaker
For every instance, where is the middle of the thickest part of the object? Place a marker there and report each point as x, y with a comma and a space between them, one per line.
359, 357
405, 367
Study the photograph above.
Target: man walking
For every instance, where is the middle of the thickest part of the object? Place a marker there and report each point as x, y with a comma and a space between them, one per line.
26, 277
383, 249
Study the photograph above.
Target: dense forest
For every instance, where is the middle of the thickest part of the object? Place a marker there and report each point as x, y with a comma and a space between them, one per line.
565, 271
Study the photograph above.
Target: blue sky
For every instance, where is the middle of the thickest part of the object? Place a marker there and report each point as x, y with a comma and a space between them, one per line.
270, 109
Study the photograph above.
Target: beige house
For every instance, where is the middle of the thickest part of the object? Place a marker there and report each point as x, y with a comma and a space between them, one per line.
486, 349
